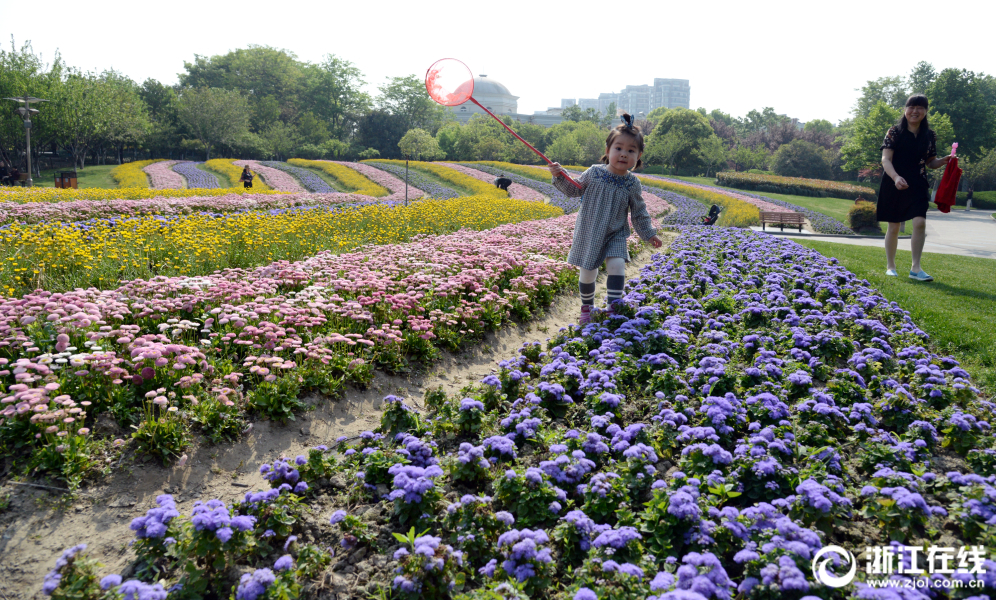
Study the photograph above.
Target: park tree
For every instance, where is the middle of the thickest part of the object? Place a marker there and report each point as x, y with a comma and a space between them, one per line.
862, 150
258, 72
757, 121
712, 154
213, 116
333, 91
609, 119
420, 145
745, 158
80, 110
164, 123
800, 158
892, 91
818, 126
406, 98
22, 71
921, 77
981, 173
679, 128
128, 121
963, 96
311, 129
281, 140
564, 150
380, 130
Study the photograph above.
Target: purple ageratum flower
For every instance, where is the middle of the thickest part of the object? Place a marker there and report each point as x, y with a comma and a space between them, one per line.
224, 534
704, 574
411, 482
281, 472
617, 538
524, 552
471, 404
716, 452
500, 447
337, 517
210, 516
134, 589
585, 594
255, 585
284, 563
110, 581
156, 520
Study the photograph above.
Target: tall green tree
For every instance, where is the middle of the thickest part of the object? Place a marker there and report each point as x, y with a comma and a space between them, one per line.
128, 123
406, 97
22, 71
333, 91
962, 95
921, 77
161, 104
420, 145
862, 150
214, 116
680, 124
80, 110
800, 158
890, 90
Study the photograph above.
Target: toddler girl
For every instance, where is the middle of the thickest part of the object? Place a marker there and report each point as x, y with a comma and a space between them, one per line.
609, 192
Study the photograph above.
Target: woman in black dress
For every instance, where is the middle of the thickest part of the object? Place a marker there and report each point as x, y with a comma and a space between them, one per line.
909, 149
246, 177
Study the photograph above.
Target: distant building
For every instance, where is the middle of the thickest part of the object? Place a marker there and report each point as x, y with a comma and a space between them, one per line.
586, 103
565, 102
499, 100
604, 100
671, 93
636, 100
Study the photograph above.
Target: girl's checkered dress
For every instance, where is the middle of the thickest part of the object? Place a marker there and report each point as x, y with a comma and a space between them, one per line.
602, 226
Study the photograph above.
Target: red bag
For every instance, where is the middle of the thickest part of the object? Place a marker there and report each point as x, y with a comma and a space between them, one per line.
945, 196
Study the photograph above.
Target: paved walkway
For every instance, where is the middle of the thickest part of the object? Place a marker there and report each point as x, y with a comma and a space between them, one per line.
966, 233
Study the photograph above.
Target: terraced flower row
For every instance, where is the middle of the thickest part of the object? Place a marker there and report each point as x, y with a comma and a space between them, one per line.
416, 179
515, 190
749, 403
163, 177
276, 178
196, 178
514, 172
311, 182
55, 195
57, 256
794, 185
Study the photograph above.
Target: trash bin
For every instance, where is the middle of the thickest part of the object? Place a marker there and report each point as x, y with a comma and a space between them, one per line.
68, 179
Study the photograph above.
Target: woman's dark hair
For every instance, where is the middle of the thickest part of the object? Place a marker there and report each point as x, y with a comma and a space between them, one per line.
915, 100
626, 127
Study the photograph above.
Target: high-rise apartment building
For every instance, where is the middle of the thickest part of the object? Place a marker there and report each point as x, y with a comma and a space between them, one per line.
636, 99
671, 93
565, 102
604, 100
586, 103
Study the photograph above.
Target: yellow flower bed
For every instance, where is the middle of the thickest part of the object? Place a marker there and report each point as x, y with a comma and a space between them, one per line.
234, 173
24, 195
59, 257
351, 179
131, 175
536, 172
736, 213
798, 186
476, 186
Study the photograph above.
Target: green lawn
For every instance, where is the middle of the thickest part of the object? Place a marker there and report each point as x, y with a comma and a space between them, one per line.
956, 309
832, 207
96, 176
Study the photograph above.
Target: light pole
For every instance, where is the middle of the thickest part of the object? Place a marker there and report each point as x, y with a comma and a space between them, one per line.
25, 112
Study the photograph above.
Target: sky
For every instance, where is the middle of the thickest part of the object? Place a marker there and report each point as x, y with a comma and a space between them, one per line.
805, 59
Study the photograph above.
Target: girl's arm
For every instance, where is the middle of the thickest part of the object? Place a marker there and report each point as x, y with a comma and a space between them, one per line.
640, 216
564, 186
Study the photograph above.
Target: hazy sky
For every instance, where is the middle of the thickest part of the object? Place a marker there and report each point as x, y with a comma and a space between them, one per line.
803, 58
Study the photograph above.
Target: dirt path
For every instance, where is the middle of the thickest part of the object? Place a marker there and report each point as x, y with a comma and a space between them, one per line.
34, 530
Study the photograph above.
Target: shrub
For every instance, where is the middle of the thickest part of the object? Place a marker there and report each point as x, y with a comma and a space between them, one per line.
798, 186
862, 216
979, 199
800, 158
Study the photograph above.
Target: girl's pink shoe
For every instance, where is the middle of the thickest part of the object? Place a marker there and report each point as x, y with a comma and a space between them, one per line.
585, 317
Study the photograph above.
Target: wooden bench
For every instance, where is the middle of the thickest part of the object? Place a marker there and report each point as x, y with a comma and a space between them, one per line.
782, 219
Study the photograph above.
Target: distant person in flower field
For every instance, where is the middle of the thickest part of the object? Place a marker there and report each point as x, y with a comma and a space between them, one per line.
609, 193
246, 178
909, 149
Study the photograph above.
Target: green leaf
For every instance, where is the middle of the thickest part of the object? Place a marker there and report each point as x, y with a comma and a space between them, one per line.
400, 538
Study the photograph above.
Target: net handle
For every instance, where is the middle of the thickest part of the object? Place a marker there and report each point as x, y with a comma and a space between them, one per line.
528, 145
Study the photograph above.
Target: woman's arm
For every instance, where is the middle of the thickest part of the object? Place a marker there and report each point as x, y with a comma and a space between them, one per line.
937, 163
891, 170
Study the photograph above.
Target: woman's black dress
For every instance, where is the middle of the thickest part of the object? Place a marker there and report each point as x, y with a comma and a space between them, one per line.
911, 153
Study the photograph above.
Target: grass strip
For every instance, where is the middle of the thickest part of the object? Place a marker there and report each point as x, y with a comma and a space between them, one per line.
956, 309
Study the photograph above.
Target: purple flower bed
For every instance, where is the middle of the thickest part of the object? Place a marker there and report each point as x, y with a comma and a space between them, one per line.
310, 181
820, 222
557, 198
416, 180
196, 178
686, 210
749, 403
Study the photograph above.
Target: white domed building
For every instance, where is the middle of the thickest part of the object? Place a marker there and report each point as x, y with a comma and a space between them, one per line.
499, 100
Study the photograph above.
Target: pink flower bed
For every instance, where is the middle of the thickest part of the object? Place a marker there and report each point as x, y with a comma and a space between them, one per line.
163, 177
274, 178
517, 191
655, 204
393, 184
81, 210
760, 204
